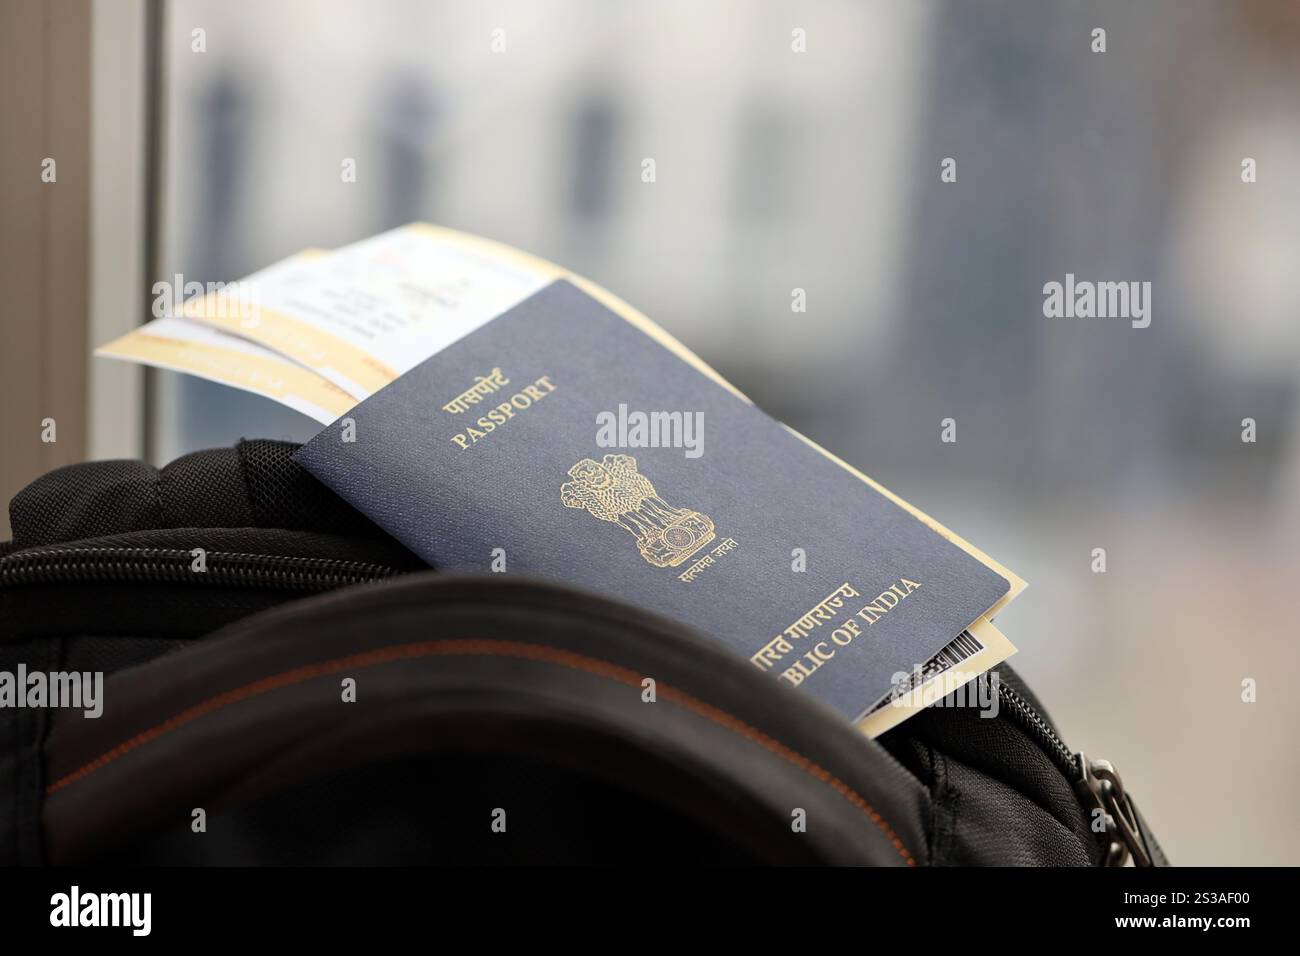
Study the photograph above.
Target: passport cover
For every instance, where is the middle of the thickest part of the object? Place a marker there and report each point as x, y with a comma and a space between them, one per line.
495, 454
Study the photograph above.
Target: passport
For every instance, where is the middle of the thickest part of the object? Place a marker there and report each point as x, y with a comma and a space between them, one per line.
558, 440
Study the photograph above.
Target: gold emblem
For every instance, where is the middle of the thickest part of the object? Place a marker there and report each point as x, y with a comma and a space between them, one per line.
613, 490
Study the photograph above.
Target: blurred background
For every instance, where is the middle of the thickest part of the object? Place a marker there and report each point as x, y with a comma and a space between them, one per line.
777, 170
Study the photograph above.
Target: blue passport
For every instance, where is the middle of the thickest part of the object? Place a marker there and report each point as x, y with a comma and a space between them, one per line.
560, 441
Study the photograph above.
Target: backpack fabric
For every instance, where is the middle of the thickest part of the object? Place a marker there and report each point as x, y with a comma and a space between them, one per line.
285, 684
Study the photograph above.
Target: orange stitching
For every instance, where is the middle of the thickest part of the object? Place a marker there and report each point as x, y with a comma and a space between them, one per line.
492, 648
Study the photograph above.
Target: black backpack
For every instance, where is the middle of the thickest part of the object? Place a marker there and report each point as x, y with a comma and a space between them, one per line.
287, 684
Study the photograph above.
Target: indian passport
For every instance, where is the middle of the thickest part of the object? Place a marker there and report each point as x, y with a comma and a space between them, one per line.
559, 440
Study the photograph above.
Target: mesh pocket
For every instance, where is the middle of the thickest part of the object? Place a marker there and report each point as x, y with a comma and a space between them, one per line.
257, 484
283, 494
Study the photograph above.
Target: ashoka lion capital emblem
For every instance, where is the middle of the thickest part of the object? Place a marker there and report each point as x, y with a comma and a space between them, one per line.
613, 490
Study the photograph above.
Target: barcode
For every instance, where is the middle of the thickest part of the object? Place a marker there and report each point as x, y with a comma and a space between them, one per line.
962, 647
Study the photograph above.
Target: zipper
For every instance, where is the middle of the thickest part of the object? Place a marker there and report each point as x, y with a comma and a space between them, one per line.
1033, 723
1096, 782
74, 565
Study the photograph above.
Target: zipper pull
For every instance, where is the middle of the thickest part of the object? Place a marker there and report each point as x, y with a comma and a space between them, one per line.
1100, 788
